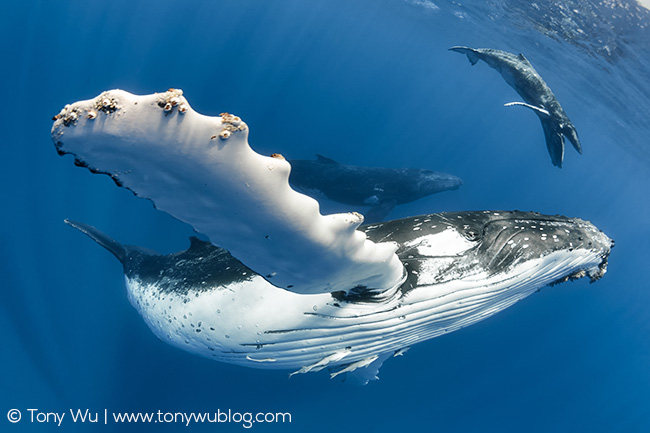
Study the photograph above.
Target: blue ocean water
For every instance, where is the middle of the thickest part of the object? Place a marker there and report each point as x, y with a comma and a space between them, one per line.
366, 83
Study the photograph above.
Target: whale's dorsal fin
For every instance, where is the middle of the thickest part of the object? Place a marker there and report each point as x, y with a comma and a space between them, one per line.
325, 160
524, 59
532, 107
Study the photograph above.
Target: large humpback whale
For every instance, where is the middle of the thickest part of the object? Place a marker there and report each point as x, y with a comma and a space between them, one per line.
377, 187
462, 268
291, 288
517, 71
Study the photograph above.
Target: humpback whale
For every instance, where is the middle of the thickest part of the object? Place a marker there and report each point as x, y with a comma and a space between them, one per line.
380, 188
289, 288
517, 71
462, 268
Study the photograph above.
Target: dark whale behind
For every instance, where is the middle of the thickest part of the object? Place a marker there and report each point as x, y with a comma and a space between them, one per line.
380, 188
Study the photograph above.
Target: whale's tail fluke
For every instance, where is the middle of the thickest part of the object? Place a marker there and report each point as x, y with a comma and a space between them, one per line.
116, 248
554, 142
554, 131
570, 132
471, 54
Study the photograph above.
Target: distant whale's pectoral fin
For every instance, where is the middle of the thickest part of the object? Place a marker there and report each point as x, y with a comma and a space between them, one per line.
471, 54
372, 200
539, 110
379, 212
117, 249
554, 142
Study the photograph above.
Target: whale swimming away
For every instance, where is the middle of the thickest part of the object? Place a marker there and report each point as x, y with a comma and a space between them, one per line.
380, 188
517, 71
289, 288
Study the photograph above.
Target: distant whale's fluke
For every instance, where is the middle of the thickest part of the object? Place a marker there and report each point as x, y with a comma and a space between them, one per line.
517, 71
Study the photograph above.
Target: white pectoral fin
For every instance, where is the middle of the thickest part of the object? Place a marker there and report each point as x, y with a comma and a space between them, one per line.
202, 171
532, 107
